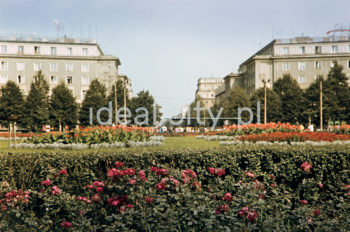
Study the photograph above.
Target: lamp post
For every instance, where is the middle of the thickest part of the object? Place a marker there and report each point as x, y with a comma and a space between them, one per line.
265, 99
321, 106
116, 102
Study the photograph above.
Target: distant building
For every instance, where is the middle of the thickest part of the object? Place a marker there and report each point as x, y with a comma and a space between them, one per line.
230, 81
304, 58
206, 90
74, 61
127, 82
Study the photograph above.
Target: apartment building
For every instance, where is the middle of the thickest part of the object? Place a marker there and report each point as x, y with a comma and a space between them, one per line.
74, 61
206, 90
304, 58
230, 81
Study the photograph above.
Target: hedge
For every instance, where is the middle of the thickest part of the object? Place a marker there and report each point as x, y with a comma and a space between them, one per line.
199, 206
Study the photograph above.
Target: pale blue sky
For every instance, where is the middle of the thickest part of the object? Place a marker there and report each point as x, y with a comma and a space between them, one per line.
166, 45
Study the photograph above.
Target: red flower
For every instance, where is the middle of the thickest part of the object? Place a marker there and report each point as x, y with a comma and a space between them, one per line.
119, 164
175, 181
148, 200
252, 216
56, 190
66, 224
130, 206
142, 175
346, 187
98, 184
211, 171
320, 185
154, 169
306, 167
160, 186
122, 209
303, 202
132, 181
161, 172
99, 189
273, 185
220, 172
249, 174
63, 172
241, 213
272, 176
46, 182
317, 212
227, 197
261, 196
96, 198
245, 209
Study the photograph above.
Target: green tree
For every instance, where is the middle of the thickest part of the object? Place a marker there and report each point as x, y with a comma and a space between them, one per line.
338, 94
236, 98
203, 114
37, 103
273, 106
146, 100
11, 103
292, 100
95, 99
63, 107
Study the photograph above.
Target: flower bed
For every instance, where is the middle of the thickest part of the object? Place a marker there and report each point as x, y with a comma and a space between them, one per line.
241, 189
256, 128
295, 137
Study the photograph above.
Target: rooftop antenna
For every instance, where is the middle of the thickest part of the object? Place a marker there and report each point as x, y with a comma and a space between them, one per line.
58, 26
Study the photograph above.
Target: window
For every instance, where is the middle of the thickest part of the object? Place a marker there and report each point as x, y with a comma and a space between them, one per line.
53, 80
53, 66
285, 66
69, 80
301, 65
3, 49
20, 49
20, 79
85, 67
3, 79
69, 67
20, 66
83, 94
36, 50
36, 66
348, 63
335, 48
85, 80
302, 50
53, 50
334, 62
4, 65
69, 51
302, 79
85, 51
318, 49
286, 50
318, 64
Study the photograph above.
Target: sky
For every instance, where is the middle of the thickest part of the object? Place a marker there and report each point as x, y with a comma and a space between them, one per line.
165, 46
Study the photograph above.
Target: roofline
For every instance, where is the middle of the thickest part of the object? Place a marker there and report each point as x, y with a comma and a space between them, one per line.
251, 58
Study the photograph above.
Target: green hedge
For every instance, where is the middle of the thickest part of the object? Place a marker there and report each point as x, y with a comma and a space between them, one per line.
330, 166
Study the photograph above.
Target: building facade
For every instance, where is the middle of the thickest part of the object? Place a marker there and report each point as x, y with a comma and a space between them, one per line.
72, 61
206, 90
230, 81
304, 58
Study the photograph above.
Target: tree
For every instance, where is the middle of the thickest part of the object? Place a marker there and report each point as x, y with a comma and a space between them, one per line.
292, 100
339, 93
236, 98
273, 106
11, 102
37, 103
95, 99
146, 100
63, 107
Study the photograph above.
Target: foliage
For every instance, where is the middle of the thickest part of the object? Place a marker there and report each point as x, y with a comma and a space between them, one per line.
11, 102
237, 98
253, 189
95, 98
292, 100
63, 107
255, 128
120, 98
37, 103
273, 106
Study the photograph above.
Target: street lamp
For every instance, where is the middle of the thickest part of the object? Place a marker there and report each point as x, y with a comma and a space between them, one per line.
265, 99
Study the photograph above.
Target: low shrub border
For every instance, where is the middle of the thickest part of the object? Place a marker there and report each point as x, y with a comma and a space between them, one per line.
257, 188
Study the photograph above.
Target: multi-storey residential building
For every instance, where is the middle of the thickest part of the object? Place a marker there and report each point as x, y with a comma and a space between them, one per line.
230, 81
206, 90
73, 61
304, 58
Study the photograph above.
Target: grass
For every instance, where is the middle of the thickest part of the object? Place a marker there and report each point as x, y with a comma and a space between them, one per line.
169, 143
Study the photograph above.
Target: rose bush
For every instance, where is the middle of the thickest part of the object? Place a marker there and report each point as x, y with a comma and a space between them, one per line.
240, 189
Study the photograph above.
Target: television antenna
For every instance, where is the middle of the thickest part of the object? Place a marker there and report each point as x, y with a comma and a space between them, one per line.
59, 26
